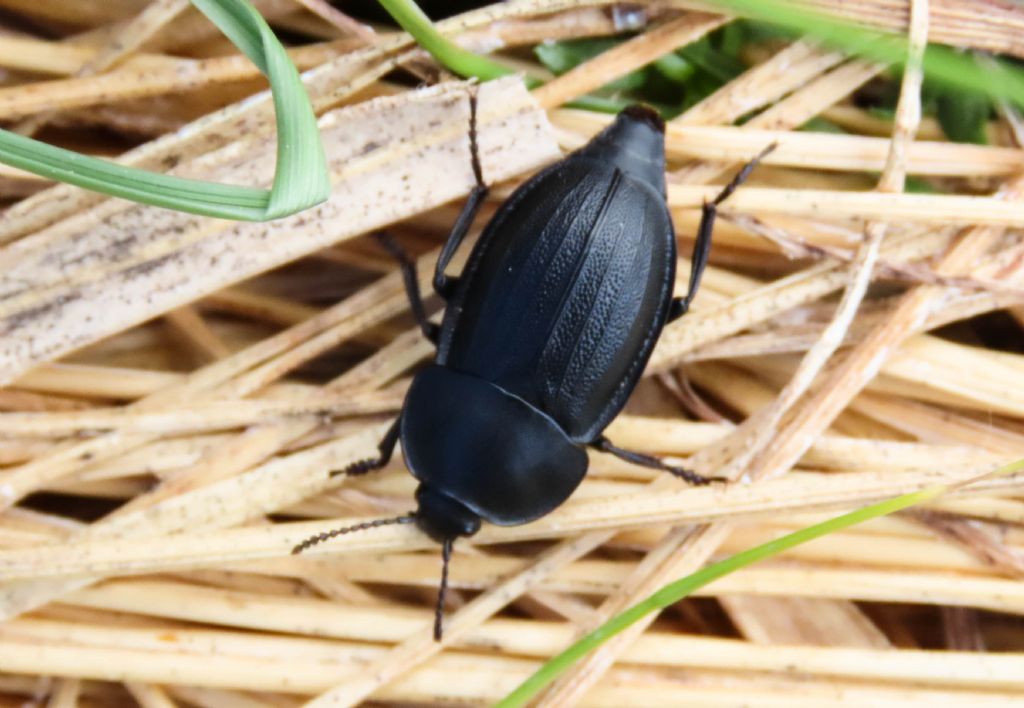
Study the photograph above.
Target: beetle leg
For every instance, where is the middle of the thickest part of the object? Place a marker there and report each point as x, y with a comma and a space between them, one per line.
443, 284
698, 262
412, 284
702, 246
638, 458
386, 447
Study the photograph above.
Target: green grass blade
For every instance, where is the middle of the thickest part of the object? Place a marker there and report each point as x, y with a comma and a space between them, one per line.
680, 589
300, 180
235, 21
466, 63
998, 79
944, 64
453, 57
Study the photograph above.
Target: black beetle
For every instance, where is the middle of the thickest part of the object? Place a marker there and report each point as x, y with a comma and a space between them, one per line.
545, 334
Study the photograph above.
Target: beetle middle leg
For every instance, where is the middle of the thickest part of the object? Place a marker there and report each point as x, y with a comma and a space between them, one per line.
638, 458
412, 284
445, 285
386, 448
702, 246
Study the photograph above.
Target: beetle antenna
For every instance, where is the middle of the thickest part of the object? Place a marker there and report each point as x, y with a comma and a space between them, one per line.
442, 592
328, 535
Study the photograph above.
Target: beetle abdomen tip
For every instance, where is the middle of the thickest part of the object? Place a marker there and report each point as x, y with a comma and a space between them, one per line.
646, 114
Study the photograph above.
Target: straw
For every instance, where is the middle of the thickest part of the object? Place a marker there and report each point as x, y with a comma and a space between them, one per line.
178, 389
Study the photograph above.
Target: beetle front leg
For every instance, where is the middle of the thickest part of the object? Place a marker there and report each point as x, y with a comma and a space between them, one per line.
638, 458
702, 246
443, 284
386, 448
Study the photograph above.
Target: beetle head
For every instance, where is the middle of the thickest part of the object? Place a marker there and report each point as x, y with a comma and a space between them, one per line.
443, 518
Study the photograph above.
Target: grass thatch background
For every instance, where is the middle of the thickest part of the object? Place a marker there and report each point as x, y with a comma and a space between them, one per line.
178, 387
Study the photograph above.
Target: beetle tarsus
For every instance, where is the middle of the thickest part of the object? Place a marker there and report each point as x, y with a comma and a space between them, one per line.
387, 449
638, 458
361, 467
742, 175
702, 246
690, 477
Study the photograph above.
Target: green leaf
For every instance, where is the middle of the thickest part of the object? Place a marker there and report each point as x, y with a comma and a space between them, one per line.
821, 125
917, 185
601, 104
560, 57
718, 65
964, 116
300, 180
675, 80
731, 39
674, 68
700, 87
756, 32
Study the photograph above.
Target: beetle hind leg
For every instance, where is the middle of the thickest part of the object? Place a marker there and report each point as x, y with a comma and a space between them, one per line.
638, 458
702, 246
412, 285
386, 448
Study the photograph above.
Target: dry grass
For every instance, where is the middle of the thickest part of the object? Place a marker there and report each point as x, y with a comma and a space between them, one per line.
178, 387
